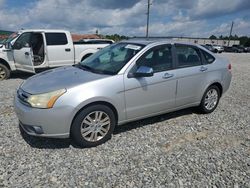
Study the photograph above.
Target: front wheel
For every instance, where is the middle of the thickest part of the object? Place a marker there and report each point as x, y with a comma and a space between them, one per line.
4, 72
93, 126
210, 99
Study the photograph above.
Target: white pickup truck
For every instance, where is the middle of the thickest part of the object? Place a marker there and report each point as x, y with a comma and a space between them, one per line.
33, 50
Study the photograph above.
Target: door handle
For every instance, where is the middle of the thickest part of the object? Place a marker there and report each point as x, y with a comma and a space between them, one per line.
26, 53
67, 49
167, 75
202, 69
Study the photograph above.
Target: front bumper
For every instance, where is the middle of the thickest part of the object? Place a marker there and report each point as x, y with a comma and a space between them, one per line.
54, 122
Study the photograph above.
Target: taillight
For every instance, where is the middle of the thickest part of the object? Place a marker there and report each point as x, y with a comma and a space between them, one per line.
229, 66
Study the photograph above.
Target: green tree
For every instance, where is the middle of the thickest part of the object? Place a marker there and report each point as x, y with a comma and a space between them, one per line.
247, 44
116, 37
243, 40
212, 37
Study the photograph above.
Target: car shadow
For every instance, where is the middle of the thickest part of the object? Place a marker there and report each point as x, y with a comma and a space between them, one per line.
21, 75
151, 120
53, 143
45, 143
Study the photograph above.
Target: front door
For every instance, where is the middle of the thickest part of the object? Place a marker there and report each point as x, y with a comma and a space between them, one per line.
147, 96
22, 53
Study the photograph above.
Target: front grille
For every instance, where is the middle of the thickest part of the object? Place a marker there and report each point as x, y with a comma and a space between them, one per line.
23, 96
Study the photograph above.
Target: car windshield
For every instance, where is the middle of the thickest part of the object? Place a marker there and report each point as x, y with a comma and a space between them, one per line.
11, 37
111, 59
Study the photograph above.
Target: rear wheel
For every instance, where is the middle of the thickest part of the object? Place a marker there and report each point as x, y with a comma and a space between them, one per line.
4, 72
94, 125
210, 99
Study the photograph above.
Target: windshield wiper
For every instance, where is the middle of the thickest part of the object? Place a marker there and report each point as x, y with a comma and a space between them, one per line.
85, 67
90, 69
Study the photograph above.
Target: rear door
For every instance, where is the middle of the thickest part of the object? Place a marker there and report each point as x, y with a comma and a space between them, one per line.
191, 74
60, 50
22, 53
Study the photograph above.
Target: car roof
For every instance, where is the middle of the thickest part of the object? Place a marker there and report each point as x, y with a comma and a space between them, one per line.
42, 30
158, 41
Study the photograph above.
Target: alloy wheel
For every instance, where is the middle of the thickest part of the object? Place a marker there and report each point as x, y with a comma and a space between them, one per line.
211, 99
95, 126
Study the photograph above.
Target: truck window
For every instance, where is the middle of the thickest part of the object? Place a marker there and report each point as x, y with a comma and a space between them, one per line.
23, 41
56, 38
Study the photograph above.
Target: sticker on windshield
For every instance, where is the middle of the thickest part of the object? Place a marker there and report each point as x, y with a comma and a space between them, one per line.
133, 47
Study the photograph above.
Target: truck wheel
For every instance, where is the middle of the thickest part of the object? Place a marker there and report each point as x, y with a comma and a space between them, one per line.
85, 57
93, 126
4, 72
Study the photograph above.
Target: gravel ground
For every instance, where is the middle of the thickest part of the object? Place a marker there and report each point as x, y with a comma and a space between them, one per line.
181, 149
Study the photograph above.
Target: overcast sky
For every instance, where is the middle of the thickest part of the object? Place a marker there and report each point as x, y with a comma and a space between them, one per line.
196, 18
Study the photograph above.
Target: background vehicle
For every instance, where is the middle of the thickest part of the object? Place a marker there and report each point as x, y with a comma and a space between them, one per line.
217, 48
232, 49
209, 47
247, 49
240, 48
121, 83
38, 49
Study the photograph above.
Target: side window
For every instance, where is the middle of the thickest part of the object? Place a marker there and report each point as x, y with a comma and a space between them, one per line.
187, 56
158, 58
23, 41
208, 57
56, 39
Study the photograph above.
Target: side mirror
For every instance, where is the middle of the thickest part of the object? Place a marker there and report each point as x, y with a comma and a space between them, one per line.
8, 45
142, 71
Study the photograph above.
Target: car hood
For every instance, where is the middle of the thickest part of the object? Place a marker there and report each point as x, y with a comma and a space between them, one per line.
55, 79
1, 48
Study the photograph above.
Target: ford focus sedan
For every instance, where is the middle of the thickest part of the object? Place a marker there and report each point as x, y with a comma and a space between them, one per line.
121, 83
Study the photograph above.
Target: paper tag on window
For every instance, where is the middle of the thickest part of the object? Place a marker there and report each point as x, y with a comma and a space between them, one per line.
133, 47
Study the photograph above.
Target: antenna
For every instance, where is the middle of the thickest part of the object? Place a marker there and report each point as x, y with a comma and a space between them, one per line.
148, 18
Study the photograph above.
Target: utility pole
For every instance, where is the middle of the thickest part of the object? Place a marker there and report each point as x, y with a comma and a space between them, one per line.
148, 18
230, 33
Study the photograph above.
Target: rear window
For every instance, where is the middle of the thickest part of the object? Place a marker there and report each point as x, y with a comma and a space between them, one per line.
56, 38
208, 57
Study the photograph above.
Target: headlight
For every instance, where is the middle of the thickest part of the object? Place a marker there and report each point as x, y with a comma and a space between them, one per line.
45, 100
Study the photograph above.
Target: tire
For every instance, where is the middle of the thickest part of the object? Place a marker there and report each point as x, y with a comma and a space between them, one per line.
87, 134
83, 58
4, 72
215, 51
209, 105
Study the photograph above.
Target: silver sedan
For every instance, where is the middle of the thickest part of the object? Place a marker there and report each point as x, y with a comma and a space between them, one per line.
123, 82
